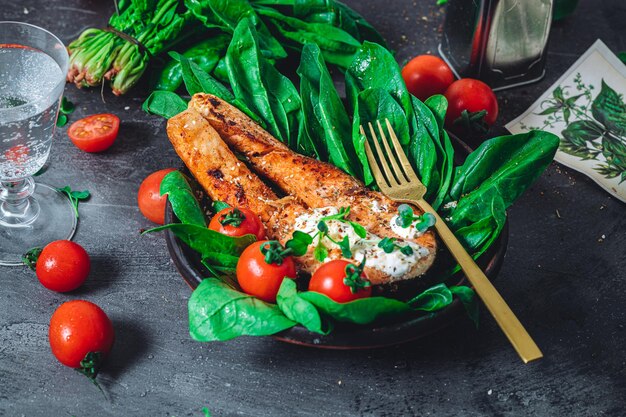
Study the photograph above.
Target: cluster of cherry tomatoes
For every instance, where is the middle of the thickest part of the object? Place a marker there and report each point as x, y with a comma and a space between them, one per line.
263, 265
80, 334
472, 105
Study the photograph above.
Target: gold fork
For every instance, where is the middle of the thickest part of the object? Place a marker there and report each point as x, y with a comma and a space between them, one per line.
397, 180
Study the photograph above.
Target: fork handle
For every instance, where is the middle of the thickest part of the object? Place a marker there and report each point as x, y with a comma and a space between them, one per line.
506, 319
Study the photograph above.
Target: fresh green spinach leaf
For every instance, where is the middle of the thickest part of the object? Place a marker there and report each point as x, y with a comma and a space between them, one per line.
361, 311
206, 241
259, 85
325, 118
467, 296
218, 312
164, 103
182, 199
300, 310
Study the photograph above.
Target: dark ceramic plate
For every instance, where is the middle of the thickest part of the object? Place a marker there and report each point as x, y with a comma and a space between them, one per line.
367, 336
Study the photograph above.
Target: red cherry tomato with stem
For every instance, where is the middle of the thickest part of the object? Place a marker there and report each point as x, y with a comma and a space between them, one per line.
341, 281
233, 221
94, 133
81, 332
149, 199
262, 267
472, 106
60, 266
427, 75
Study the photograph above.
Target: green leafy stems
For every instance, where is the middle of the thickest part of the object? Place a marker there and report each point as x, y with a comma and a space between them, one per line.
389, 244
233, 218
65, 109
30, 258
354, 277
473, 121
75, 197
406, 217
274, 253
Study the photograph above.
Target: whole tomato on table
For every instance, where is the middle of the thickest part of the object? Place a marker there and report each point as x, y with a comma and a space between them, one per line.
149, 199
472, 106
262, 267
60, 266
81, 336
427, 75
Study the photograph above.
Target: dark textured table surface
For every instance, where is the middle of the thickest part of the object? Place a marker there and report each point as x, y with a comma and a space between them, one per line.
564, 277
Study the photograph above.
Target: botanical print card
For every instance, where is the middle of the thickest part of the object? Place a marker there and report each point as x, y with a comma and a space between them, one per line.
586, 109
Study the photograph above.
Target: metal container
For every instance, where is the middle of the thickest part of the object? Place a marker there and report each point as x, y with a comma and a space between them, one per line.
501, 42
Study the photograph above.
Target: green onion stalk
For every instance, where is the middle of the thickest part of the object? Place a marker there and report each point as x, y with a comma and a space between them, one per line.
138, 32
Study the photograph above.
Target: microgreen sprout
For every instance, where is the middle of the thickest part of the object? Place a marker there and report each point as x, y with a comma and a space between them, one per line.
406, 217
389, 244
353, 278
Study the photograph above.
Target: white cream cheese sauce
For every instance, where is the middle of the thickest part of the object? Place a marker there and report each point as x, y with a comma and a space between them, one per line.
395, 264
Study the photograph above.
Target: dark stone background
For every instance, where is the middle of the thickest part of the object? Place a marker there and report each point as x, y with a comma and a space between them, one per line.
564, 279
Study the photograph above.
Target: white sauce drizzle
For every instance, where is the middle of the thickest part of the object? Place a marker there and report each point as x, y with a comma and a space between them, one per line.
395, 264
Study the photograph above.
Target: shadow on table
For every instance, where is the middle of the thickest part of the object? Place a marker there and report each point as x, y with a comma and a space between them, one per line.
131, 343
459, 341
104, 271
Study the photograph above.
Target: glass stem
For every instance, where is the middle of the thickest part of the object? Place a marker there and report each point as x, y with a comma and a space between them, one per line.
17, 206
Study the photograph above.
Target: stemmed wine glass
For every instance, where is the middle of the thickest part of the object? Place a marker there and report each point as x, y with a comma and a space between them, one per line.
33, 64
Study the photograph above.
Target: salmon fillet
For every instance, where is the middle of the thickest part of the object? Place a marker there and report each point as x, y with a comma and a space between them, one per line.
203, 137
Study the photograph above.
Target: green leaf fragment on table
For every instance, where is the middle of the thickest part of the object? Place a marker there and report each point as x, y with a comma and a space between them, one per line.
300, 310
67, 107
217, 312
182, 199
622, 57
61, 120
75, 197
30, 258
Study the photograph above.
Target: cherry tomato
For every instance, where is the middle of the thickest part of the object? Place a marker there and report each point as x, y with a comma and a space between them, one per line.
149, 199
79, 329
427, 75
62, 266
237, 222
330, 279
259, 278
473, 96
95, 133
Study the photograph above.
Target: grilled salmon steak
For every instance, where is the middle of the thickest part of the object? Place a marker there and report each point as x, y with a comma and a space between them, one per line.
208, 133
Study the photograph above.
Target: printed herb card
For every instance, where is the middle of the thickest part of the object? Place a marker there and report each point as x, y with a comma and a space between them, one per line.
587, 110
